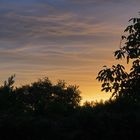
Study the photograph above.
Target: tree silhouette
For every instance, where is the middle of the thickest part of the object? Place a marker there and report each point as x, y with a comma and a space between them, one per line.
43, 96
7, 96
116, 79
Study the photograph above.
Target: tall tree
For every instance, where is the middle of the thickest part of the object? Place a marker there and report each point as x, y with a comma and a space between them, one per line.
116, 79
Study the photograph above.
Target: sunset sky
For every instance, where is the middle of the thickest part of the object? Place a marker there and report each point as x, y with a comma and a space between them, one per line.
62, 39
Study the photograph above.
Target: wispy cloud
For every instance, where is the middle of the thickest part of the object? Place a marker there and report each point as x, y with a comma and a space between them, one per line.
70, 39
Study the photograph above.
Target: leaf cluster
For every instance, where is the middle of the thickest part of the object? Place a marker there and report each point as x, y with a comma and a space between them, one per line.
116, 79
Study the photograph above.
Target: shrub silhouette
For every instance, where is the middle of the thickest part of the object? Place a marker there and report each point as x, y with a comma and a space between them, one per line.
43, 96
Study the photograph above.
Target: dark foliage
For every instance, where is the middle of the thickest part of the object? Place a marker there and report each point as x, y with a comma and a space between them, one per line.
40, 97
116, 80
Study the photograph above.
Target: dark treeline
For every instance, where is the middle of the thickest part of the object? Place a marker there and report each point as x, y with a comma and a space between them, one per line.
43, 110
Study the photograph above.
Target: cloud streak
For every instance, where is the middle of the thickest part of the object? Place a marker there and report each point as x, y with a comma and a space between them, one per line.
66, 39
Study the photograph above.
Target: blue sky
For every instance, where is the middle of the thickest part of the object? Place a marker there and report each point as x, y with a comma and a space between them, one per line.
62, 39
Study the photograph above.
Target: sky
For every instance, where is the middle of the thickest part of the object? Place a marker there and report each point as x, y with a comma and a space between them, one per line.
62, 39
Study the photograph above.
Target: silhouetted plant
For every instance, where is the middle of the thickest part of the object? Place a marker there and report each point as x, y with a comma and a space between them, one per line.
42, 96
116, 79
7, 96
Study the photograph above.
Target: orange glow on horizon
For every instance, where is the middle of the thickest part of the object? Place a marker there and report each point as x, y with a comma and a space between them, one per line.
62, 41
